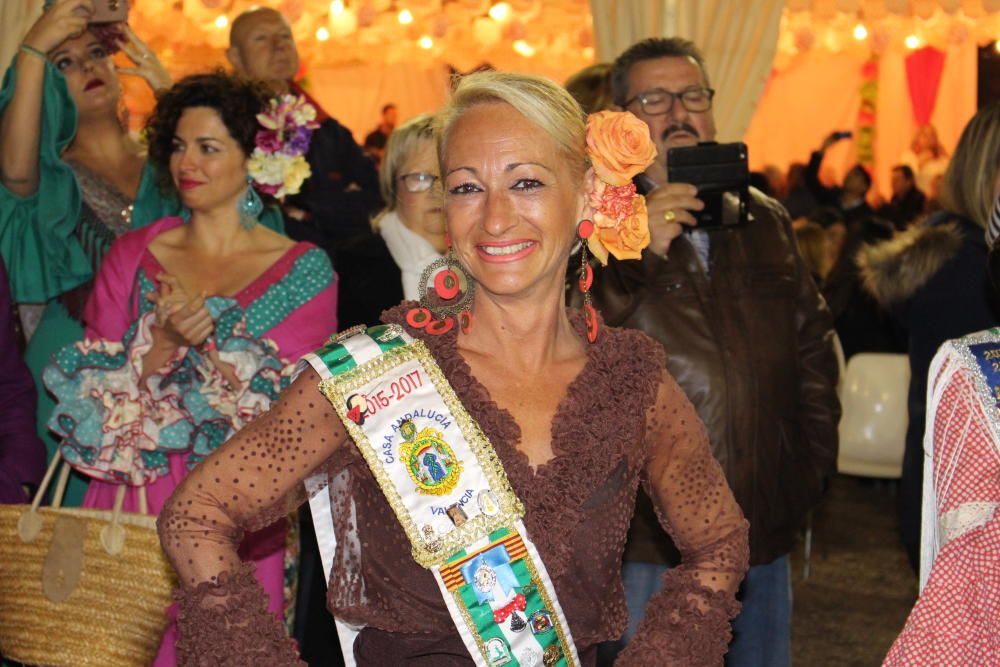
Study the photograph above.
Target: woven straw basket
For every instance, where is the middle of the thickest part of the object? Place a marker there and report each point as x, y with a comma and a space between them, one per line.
112, 615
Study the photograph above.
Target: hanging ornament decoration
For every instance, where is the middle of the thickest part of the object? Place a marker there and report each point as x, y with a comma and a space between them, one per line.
804, 39
865, 141
899, 7
343, 33
889, 26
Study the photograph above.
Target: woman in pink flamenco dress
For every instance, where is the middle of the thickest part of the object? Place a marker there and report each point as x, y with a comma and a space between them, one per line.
193, 327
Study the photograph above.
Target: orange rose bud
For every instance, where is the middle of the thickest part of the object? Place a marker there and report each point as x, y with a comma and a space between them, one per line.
618, 145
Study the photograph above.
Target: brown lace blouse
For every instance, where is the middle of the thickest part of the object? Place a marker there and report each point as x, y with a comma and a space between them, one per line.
622, 421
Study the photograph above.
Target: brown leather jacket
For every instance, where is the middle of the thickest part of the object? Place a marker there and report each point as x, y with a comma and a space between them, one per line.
752, 346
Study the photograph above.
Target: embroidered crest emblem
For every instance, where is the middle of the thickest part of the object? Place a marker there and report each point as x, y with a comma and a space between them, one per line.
485, 579
540, 622
430, 462
488, 503
497, 652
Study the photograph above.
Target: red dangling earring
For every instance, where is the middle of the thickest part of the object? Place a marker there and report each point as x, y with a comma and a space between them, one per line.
446, 292
465, 321
586, 279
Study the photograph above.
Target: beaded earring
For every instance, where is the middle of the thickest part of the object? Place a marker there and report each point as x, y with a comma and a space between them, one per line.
249, 206
586, 279
446, 292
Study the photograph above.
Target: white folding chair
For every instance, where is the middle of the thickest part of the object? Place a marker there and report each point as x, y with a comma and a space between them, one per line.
874, 420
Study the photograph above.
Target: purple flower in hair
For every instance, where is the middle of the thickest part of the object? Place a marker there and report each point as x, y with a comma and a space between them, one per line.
299, 143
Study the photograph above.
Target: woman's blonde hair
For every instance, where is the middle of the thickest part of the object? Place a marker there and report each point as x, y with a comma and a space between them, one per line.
967, 187
403, 140
541, 101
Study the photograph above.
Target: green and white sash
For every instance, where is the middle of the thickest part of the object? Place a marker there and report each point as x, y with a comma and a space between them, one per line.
449, 491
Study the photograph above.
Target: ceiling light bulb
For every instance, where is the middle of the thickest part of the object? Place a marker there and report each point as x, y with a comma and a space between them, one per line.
405, 17
523, 48
426, 42
221, 22
322, 34
500, 11
860, 32
337, 7
912, 42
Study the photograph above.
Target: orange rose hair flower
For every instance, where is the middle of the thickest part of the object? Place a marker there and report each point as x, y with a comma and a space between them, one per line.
619, 147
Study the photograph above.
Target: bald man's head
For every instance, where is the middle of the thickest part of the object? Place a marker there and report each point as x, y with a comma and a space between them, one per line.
261, 47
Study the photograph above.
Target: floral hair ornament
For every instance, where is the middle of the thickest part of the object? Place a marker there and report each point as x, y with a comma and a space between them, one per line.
278, 164
619, 148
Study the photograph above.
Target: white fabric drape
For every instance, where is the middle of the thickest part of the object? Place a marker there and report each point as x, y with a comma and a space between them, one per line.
737, 39
16, 16
620, 23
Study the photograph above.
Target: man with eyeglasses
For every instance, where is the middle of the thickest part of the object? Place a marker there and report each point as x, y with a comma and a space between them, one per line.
747, 337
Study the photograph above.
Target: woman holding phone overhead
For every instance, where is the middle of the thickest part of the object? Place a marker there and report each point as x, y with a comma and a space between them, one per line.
72, 179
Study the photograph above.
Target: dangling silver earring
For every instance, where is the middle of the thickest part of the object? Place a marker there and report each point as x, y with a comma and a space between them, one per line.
249, 206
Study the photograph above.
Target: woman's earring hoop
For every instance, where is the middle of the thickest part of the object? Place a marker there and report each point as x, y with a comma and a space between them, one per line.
446, 294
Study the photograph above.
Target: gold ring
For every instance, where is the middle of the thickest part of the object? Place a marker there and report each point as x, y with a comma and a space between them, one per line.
669, 216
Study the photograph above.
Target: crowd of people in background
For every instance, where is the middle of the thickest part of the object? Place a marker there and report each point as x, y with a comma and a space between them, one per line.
204, 282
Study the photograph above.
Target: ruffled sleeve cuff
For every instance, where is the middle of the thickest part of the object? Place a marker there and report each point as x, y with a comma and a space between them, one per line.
111, 429
227, 624
685, 625
219, 409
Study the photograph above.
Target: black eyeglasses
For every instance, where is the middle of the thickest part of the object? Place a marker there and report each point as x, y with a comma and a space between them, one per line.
657, 102
418, 181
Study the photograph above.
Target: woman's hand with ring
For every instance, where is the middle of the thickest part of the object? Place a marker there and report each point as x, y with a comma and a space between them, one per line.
148, 66
670, 207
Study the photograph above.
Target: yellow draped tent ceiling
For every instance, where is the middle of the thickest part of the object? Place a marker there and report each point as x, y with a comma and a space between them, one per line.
545, 35
360, 54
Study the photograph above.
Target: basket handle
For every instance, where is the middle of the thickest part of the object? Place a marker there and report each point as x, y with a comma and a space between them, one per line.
113, 535
29, 524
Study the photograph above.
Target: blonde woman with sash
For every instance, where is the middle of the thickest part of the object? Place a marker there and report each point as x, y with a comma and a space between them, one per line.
483, 448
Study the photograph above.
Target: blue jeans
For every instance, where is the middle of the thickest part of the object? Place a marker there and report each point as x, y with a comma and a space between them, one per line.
762, 631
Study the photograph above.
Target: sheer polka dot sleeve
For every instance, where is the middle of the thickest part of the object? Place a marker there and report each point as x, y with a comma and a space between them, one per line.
249, 482
687, 622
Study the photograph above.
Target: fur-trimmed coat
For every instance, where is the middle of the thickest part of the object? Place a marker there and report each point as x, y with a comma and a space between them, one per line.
894, 270
933, 279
